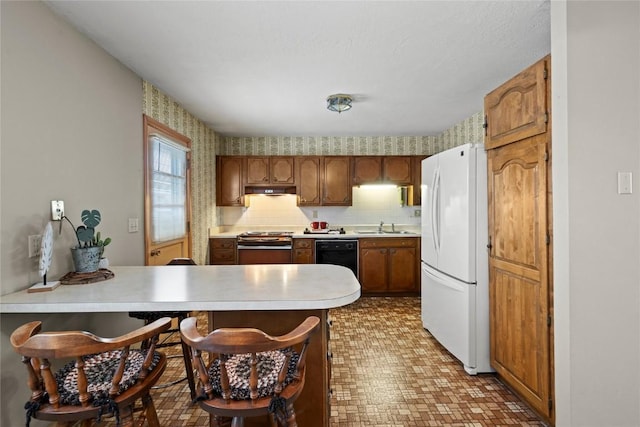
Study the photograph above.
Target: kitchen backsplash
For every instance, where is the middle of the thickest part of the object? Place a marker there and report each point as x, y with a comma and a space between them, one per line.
370, 206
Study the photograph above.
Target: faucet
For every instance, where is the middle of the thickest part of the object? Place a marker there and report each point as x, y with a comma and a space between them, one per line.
380, 227
393, 227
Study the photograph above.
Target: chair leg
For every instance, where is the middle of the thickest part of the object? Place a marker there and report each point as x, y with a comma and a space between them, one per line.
291, 421
186, 355
149, 410
126, 416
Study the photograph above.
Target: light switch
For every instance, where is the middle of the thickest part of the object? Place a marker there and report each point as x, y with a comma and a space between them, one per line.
624, 183
133, 225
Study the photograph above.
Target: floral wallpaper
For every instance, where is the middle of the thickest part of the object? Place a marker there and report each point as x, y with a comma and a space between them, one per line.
469, 130
203, 142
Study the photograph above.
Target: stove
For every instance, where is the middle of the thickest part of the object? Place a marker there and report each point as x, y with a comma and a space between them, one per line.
265, 238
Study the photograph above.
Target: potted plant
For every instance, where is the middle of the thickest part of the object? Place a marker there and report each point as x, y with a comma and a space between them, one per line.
87, 254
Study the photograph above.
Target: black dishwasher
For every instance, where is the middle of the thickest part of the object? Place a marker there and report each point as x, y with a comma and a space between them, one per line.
338, 252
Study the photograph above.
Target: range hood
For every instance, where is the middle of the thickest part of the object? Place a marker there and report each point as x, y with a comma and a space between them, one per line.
271, 191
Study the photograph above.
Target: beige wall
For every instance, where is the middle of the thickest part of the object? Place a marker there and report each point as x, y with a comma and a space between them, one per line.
163, 108
596, 133
71, 130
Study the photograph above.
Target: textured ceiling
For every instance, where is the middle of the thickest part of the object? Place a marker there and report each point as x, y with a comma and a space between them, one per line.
260, 68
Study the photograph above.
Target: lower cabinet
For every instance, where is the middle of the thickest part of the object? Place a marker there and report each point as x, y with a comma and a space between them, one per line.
303, 251
390, 265
222, 251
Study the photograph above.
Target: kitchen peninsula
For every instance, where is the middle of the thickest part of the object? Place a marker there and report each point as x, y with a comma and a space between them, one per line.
274, 298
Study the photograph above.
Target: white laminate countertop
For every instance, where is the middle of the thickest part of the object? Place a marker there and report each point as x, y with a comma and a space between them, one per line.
207, 288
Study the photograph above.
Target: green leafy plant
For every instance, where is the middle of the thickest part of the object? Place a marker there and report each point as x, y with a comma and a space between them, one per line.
86, 234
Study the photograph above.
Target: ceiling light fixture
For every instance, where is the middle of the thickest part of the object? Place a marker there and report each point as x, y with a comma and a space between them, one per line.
339, 102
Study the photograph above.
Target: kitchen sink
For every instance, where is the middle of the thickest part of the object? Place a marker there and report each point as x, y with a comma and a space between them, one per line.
383, 232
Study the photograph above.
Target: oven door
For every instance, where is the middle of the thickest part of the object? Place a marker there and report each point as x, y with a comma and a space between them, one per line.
264, 255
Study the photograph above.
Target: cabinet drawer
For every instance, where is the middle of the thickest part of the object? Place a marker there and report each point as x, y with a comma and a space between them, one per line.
223, 255
384, 242
223, 243
303, 243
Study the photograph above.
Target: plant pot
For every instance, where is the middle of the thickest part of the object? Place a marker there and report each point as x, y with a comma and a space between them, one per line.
86, 260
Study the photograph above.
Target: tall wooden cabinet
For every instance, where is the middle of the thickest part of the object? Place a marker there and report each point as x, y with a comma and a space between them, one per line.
518, 140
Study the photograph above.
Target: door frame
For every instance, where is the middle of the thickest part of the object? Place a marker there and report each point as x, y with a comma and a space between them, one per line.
150, 126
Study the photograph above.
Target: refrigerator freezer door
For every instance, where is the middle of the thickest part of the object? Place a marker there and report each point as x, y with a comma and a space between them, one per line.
428, 252
456, 255
449, 314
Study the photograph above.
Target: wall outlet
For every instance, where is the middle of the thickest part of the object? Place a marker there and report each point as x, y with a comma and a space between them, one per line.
35, 242
417, 212
57, 210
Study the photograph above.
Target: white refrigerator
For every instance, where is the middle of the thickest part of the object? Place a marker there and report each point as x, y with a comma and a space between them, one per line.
454, 269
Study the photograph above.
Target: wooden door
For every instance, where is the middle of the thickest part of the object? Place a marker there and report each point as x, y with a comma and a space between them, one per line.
167, 201
230, 181
336, 179
282, 170
308, 171
518, 109
519, 289
397, 170
367, 169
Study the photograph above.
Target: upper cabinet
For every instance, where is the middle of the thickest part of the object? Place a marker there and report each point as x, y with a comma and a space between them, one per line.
382, 169
308, 172
230, 181
367, 169
336, 181
319, 180
397, 170
519, 109
270, 170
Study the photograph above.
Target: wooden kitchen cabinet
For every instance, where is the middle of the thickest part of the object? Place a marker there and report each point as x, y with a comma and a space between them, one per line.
230, 181
415, 191
389, 265
222, 251
367, 169
308, 171
303, 251
336, 181
269, 170
520, 237
397, 170
382, 169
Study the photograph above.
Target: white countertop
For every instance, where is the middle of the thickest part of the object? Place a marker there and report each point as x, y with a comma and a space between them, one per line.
207, 288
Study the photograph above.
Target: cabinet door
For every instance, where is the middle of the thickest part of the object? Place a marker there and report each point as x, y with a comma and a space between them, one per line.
336, 180
367, 170
229, 181
257, 170
415, 195
403, 269
397, 170
303, 251
519, 291
308, 171
222, 251
518, 109
282, 171
373, 269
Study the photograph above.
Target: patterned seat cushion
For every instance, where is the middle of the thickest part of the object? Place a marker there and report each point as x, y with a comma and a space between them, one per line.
99, 369
238, 369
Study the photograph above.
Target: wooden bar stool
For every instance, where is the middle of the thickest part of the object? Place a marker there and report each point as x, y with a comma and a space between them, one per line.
150, 316
107, 376
250, 373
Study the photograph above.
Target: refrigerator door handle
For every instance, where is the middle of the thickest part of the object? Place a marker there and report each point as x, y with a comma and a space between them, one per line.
435, 210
